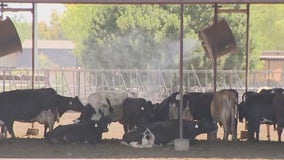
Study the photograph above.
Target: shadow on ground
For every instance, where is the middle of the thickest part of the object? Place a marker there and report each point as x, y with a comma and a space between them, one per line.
111, 148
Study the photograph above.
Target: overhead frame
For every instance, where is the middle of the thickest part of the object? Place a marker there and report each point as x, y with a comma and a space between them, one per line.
149, 1
181, 2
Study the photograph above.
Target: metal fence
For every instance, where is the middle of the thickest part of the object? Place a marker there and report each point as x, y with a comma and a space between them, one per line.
154, 85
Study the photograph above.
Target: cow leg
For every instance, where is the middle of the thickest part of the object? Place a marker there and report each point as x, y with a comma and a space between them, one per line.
234, 129
279, 132
257, 132
268, 132
49, 125
226, 131
125, 127
9, 125
226, 134
251, 130
4, 131
45, 129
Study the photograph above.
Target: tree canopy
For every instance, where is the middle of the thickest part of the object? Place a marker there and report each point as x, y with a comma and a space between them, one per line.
147, 36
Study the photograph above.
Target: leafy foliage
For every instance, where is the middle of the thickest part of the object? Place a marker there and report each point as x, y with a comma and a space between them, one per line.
147, 36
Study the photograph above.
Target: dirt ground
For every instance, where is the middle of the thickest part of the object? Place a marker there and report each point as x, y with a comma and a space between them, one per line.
111, 148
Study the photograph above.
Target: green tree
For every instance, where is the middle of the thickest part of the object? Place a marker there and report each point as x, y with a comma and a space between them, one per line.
23, 27
147, 36
53, 30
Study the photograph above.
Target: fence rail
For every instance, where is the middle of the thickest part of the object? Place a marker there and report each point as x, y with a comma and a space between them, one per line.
151, 84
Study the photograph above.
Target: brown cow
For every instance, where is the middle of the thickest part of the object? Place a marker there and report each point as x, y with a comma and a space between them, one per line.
224, 110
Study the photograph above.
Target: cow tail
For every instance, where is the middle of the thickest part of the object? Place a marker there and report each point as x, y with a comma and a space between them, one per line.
110, 107
236, 110
56, 115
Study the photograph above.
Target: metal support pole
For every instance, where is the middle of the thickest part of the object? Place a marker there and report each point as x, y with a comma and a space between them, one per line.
181, 73
214, 49
247, 47
33, 45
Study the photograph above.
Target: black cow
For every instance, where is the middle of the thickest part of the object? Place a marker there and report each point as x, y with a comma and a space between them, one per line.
86, 114
35, 105
83, 131
162, 110
136, 112
278, 107
163, 132
199, 104
256, 109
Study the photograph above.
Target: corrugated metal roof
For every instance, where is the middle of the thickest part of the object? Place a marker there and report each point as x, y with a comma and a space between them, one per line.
50, 44
272, 56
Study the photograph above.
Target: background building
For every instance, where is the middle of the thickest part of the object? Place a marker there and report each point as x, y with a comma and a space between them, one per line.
59, 52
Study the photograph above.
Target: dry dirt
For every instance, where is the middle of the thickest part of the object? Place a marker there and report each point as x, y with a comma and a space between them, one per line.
110, 148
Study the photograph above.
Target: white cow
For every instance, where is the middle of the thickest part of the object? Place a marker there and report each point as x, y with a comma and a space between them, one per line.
108, 103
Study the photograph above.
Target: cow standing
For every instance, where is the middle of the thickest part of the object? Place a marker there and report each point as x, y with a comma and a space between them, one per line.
224, 111
257, 109
35, 105
278, 107
168, 109
199, 108
199, 104
136, 112
108, 103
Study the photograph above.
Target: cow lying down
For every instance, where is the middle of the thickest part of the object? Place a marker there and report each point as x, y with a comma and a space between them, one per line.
83, 131
163, 132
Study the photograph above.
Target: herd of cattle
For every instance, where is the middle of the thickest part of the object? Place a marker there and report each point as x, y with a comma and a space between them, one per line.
145, 124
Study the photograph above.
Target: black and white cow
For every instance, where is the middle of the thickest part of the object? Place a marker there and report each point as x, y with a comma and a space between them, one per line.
35, 105
109, 103
163, 132
83, 131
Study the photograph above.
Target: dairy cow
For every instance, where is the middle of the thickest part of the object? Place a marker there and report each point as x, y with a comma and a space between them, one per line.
169, 107
108, 103
256, 109
136, 112
35, 105
199, 104
224, 110
83, 131
278, 107
163, 132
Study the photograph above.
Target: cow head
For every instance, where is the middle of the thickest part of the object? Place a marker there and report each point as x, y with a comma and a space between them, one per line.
86, 114
64, 104
75, 104
242, 111
89, 113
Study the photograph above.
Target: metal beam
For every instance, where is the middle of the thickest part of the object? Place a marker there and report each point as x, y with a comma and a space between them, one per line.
150, 1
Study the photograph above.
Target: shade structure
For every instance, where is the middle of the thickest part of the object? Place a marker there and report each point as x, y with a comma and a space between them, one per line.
9, 39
